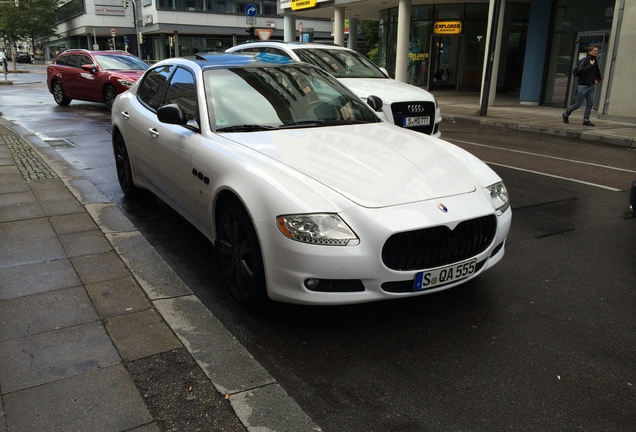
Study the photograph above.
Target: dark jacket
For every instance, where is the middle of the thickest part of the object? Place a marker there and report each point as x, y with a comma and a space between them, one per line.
589, 74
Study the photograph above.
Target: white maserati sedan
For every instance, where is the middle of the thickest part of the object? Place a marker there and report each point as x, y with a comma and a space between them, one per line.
308, 196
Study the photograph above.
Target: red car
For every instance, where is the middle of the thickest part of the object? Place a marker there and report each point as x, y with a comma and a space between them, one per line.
94, 76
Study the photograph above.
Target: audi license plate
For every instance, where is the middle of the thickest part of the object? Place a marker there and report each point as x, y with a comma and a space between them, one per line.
444, 275
416, 121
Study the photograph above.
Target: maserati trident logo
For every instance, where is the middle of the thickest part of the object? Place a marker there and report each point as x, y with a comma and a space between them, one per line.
415, 109
442, 207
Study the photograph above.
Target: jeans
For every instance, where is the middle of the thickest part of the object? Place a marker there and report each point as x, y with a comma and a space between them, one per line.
585, 94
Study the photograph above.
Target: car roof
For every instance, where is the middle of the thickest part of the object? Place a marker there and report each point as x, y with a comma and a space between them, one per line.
224, 60
292, 45
100, 52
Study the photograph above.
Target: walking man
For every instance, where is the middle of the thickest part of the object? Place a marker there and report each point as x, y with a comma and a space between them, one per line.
589, 74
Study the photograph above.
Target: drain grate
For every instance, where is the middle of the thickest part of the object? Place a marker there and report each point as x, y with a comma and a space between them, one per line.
60, 144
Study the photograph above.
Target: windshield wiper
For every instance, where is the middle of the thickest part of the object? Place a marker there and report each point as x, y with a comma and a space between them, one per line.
302, 123
246, 128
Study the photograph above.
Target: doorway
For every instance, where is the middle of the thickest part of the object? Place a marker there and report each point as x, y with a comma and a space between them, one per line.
584, 40
444, 62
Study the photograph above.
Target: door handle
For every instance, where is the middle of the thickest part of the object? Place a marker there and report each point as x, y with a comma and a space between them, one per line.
125, 115
154, 132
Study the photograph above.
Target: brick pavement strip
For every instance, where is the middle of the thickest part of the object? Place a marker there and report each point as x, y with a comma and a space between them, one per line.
29, 163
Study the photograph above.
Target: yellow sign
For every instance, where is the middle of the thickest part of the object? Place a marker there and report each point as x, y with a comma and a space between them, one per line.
447, 27
302, 4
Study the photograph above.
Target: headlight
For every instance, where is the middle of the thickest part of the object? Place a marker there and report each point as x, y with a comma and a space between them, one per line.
499, 196
321, 229
126, 83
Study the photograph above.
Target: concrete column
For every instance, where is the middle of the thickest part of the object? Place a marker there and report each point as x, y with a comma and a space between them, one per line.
352, 41
403, 32
338, 26
289, 27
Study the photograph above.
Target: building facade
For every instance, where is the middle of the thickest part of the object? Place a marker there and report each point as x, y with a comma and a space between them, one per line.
525, 47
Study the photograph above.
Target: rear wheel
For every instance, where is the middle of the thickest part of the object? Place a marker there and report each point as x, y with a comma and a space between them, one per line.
124, 169
240, 255
58, 94
109, 96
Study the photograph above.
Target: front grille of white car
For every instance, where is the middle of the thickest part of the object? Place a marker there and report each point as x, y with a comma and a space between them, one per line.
439, 246
401, 110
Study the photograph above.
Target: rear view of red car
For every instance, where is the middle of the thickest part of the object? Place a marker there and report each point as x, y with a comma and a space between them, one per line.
93, 76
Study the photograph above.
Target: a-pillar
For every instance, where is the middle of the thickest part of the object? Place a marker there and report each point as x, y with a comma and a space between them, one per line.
403, 33
338, 26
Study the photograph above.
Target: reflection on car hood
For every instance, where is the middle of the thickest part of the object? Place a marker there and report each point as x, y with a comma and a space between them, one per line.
134, 75
388, 90
373, 165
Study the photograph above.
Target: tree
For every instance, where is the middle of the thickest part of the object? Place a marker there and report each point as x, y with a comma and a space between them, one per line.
31, 19
370, 30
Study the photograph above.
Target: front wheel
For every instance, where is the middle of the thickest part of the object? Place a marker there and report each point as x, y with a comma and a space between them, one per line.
58, 94
240, 255
109, 96
124, 169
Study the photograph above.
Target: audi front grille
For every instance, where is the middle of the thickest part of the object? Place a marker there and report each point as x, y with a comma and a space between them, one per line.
402, 110
439, 246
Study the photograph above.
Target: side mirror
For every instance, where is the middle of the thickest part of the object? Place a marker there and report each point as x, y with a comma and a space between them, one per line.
89, 68
375, 103
171, 114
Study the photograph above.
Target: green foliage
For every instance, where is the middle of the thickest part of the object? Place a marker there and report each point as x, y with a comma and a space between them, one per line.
371, 30
32, 19
373, 54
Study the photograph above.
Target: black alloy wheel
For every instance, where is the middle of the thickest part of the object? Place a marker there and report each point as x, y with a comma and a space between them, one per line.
58, 94
240, 255
124, 169
109, 96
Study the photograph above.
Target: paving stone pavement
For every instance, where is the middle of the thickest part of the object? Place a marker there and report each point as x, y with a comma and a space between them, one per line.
89, 313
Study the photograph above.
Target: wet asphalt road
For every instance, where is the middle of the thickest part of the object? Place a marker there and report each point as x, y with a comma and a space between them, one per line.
544, 341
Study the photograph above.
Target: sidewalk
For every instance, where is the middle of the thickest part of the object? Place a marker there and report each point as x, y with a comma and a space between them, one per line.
97, 333
508, 113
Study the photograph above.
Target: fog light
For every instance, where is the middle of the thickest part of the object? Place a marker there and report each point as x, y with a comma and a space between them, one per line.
311, 284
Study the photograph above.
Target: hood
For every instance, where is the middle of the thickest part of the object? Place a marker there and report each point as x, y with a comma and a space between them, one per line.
373, 165
132, 75
389, 90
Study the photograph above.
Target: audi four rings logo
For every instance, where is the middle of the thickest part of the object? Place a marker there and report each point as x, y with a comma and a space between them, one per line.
415, 109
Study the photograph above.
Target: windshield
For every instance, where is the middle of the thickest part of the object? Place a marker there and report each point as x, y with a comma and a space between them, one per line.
340, 63
120, 62
258, 98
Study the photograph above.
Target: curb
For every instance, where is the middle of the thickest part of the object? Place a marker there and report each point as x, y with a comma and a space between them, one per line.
510, 125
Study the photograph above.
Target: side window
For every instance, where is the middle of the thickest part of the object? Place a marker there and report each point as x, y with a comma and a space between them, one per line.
153, 88
62, 60
85, 60
279, 52
183, 92
72, 60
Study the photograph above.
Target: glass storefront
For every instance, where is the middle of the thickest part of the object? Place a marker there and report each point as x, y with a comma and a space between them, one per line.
438, 61
577, 24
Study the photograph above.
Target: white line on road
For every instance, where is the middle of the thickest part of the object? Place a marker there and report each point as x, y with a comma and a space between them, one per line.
544, 156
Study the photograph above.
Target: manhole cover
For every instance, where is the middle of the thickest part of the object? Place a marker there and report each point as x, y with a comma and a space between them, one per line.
60, 144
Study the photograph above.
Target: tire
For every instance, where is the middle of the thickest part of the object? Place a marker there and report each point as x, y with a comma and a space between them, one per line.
124, 168
58, 94
109, 96
240, 255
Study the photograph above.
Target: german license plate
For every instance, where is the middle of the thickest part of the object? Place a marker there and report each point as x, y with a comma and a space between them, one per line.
443, 275
416, 121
